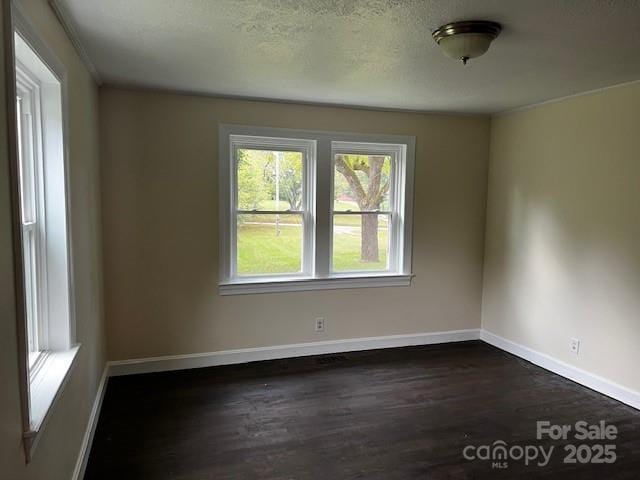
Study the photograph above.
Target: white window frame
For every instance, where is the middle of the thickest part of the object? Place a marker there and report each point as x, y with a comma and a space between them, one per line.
41, 77
34, 220
397, 153
308, 150
318, 181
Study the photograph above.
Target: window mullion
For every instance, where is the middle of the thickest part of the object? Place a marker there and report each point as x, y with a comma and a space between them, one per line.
309, 210
324, 194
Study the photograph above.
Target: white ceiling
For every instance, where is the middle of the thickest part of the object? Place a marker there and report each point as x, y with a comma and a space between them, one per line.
376, 53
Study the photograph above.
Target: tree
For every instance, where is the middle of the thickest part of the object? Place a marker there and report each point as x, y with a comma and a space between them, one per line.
291, 179
368, 179
252, 189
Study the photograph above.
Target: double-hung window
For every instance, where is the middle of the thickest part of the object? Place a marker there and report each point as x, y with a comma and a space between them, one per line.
367, 208
39, 177
32, 215
304, 210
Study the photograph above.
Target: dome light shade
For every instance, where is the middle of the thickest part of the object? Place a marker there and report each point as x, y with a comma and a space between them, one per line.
465, 40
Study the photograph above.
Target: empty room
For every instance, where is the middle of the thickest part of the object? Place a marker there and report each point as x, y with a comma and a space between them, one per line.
319, 239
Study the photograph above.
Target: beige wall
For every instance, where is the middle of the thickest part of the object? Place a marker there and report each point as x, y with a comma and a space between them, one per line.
563, 231
160, 210
59, 446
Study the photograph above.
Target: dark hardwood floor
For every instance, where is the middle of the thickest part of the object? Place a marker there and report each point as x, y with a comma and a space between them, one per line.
401, 413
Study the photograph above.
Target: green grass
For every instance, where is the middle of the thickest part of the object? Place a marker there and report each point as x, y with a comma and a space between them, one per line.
346, 252
284, 205
345, 205
261, 251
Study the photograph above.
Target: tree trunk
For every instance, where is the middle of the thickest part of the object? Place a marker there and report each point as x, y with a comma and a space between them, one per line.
369, 252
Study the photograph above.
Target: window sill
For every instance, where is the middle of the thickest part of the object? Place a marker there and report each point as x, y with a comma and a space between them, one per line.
304, 284
44, 389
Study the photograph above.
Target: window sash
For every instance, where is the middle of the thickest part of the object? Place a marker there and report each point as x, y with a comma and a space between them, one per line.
32, 211
307, 149
397, 155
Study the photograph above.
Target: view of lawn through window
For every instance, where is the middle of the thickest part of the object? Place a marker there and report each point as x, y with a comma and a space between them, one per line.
270, 182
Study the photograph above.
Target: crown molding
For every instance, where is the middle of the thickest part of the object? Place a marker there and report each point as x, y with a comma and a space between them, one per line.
64, 17
594, 91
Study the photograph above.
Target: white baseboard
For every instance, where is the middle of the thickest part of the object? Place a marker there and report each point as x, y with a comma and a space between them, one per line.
594, 382
244, 355
87, 440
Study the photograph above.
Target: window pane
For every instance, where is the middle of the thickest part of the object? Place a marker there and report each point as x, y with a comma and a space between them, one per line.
269, 180
31, 286
26, 165
269, 244
361, 182
360, 242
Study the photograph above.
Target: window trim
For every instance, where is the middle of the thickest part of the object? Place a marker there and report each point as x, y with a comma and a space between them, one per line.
41, 386
324, 277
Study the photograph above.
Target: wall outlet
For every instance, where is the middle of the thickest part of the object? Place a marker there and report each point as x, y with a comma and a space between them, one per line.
574, 346
319, 324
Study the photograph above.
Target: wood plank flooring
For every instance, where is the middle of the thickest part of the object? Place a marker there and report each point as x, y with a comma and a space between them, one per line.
404, 413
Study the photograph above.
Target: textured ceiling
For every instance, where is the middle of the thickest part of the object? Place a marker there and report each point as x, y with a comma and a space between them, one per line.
376, 53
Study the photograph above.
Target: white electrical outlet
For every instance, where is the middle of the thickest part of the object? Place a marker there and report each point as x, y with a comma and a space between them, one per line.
319, 324
574, 346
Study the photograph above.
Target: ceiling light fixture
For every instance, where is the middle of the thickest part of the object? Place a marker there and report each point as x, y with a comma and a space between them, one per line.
468, 39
